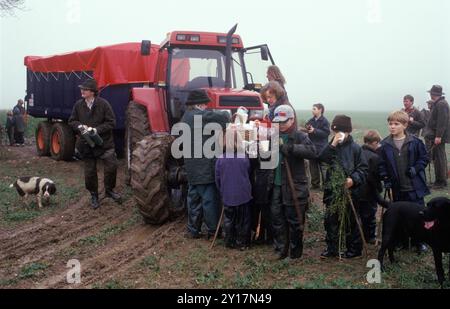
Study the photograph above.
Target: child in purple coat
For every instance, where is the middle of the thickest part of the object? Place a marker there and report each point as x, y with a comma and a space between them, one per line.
233, 181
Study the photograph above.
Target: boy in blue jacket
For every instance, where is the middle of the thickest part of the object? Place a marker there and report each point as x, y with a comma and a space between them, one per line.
403, 162
404, 159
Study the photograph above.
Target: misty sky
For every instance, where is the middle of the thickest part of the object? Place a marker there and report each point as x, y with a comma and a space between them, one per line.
348, 54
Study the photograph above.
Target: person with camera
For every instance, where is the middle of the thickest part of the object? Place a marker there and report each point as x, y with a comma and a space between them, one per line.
318, 129
94, 116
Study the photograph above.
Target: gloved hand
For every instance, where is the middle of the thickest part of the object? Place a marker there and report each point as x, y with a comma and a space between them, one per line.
82, 127
411, 172
286, 149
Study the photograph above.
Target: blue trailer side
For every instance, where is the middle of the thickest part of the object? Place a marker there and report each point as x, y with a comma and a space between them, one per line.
53, 95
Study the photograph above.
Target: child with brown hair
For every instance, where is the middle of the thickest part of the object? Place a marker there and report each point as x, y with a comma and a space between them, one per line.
403, 161
318, 129
372, 187
233, 181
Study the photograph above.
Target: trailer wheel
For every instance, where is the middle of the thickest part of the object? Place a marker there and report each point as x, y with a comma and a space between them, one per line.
43, 132
155, 199
137, 127
62, 142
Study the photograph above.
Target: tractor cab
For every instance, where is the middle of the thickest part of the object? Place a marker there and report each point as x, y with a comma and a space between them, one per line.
231, 74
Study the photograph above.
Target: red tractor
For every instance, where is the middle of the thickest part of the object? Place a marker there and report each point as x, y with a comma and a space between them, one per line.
147, 86
216, 62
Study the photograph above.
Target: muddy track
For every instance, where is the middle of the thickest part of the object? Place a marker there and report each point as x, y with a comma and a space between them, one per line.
119, 257
58, 237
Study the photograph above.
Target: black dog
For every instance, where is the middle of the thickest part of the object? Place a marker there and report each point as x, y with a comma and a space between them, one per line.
437, 224
429, 224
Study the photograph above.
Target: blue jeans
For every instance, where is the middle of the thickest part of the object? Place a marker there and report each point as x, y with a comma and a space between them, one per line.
203, 205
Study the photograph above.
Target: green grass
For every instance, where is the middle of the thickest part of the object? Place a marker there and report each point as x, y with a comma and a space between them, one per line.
107, 232
15, 209
151, 262
112, 285
32, 270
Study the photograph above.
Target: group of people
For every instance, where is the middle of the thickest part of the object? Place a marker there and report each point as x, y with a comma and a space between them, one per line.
273, 203
16, 124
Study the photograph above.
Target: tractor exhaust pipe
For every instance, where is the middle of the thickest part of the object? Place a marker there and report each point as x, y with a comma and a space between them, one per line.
228, 57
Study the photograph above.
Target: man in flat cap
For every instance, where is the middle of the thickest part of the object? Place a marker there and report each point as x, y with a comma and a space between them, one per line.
94, 114
203, 198
438, 133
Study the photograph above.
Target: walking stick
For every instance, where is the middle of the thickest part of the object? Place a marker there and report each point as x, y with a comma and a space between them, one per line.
292, 187
258, 228
431, 162
380, 222
218, 228
358, 222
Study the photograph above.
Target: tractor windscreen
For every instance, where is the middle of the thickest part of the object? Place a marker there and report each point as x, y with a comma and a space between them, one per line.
201, 68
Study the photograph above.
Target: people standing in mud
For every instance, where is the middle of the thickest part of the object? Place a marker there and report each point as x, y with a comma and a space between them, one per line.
438, 134
318, 129
295, 147
19, 123
233, 181
203, 198
274, 95
346, 160
403, 162
416, 121
372, 188
94, 114
9, 127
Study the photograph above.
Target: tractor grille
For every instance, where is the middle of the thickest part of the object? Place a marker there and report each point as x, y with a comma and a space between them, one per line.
237, 101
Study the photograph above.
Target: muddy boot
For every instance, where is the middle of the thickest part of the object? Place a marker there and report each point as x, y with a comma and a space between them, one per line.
94, 200
115, 196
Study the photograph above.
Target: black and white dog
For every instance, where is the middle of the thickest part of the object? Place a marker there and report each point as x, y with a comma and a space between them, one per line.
41, 187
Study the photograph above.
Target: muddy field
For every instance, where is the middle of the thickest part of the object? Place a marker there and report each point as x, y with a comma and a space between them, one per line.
117, 250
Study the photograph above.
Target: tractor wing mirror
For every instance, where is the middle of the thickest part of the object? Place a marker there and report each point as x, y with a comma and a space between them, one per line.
146, 47
264, 53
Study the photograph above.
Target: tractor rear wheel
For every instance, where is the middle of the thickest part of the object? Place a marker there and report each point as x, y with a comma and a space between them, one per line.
137, 127
62, 142
43, 132
156, 199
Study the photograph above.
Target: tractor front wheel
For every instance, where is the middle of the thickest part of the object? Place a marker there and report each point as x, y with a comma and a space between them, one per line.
156, 199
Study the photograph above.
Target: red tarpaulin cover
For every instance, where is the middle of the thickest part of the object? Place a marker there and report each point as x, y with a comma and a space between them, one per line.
112, 65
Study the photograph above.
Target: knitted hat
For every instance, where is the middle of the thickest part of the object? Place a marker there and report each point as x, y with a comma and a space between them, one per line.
198, 97
342, 123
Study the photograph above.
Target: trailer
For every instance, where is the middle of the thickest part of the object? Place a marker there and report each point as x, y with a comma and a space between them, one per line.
52, 90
